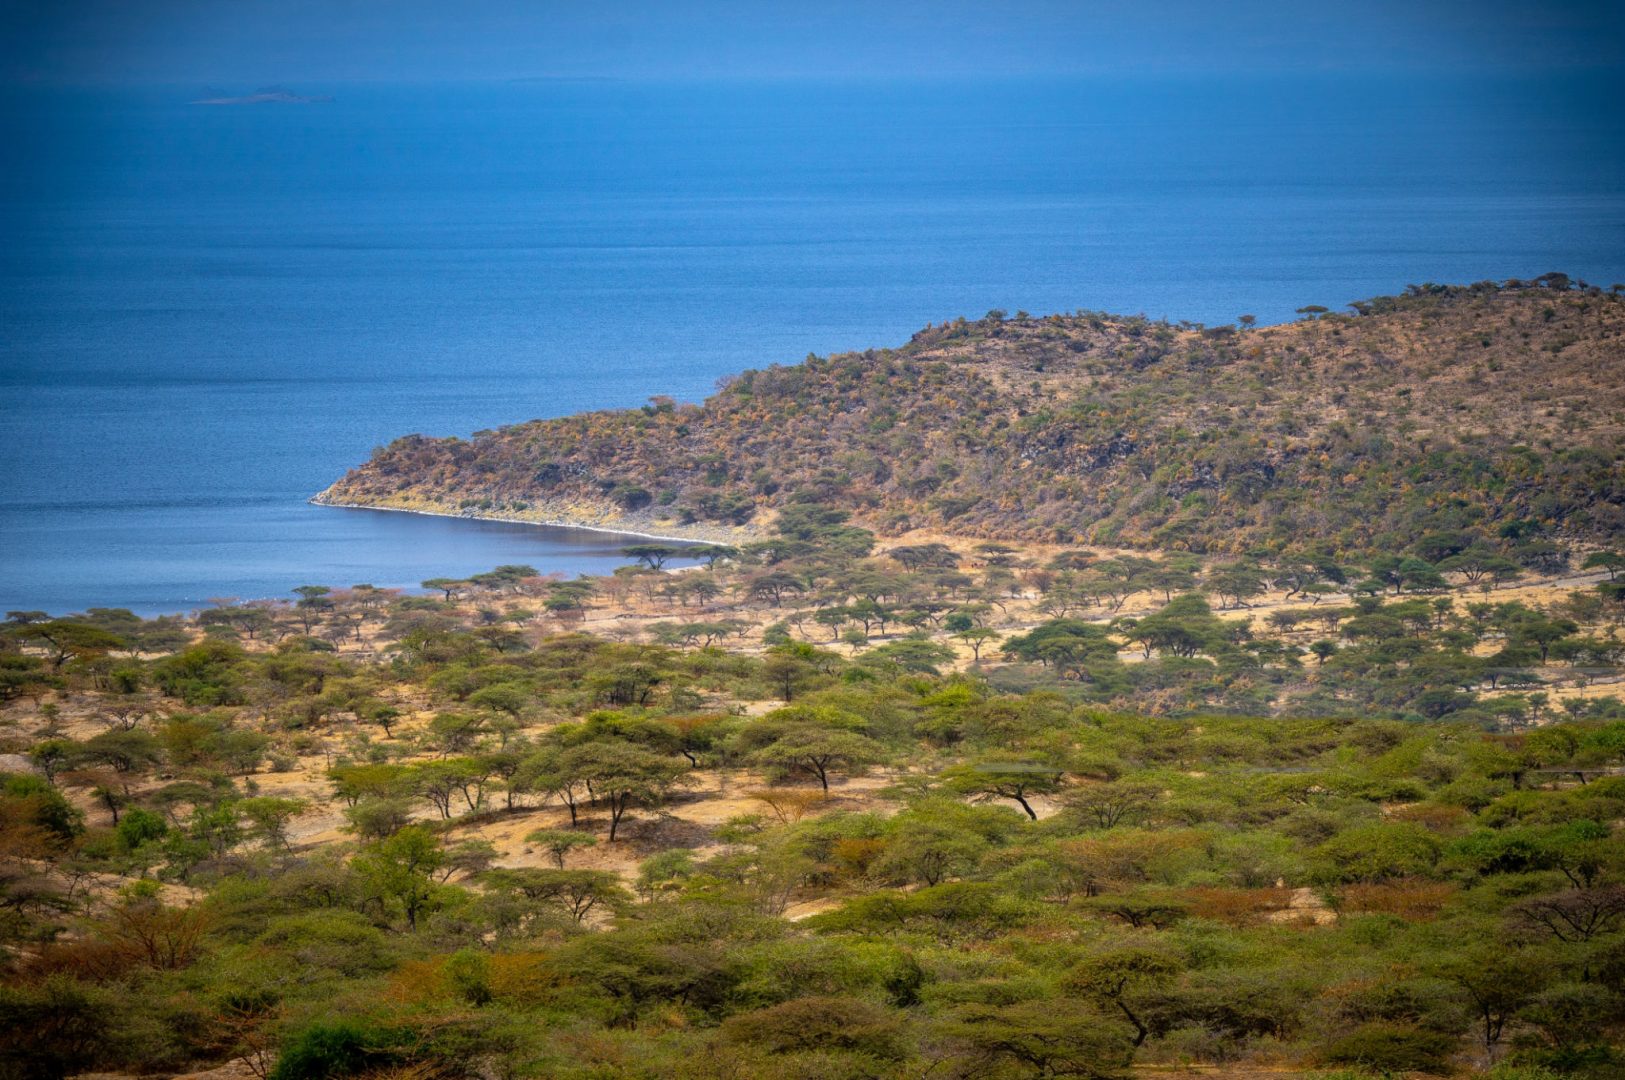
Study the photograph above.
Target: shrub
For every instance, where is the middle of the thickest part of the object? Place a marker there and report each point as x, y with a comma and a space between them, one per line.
53, 1029
1378, 852
138, 826
631, 497
330, 1048
1511, 1071
820, 1023
1393, 1048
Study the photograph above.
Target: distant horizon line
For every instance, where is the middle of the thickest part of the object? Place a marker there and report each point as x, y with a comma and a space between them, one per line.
1140, 76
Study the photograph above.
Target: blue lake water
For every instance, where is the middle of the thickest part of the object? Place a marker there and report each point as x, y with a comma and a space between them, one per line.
207, 314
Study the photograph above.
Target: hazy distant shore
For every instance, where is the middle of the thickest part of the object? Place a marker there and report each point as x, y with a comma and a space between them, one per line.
267, 95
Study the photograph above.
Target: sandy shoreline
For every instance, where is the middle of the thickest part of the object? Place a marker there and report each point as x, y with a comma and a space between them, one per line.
317, 500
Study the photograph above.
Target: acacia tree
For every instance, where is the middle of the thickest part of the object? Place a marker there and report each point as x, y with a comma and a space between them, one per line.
1496, 983
1185, 627
1018, 781
698, 734
50, 756
1298, 575
789, 805
621, 775
125, 750
1611, 561
505, 698
1040, 1037
578, 892
712, 553
313, 603
1575, 915
161, 936
400, 869
1064, 644
1236, 584
928, 851
816, 741
67, 639
448, 586
1115, 802
560, 842
544, 772
915, 556
772, 587
1539, 631
352, 783
793, 664
978, 638
380, 713
1477, 563
653, 556
440, 781
1118, 977
466, 857
270, 817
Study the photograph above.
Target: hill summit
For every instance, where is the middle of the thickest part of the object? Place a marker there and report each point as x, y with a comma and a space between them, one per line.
1479, 407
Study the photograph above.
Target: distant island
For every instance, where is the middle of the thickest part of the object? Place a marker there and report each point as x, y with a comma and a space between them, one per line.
1474, 407
566, 79
265, 95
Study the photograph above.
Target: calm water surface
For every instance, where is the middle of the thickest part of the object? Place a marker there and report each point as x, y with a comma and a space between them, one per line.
207, 314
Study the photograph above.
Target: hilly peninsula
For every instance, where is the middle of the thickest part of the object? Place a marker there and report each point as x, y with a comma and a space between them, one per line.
1489, 407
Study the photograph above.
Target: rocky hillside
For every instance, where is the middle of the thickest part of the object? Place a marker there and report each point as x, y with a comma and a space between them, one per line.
1449, 407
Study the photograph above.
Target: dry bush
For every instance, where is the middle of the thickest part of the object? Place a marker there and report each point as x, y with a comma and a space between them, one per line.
1121, 858
789, 805
419, 982
1411, 899
522, 977
1237, 907
161, 937
417, 1070
86, 959
854, 857
21, 837
1573, 915
1435, 817
132, 935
